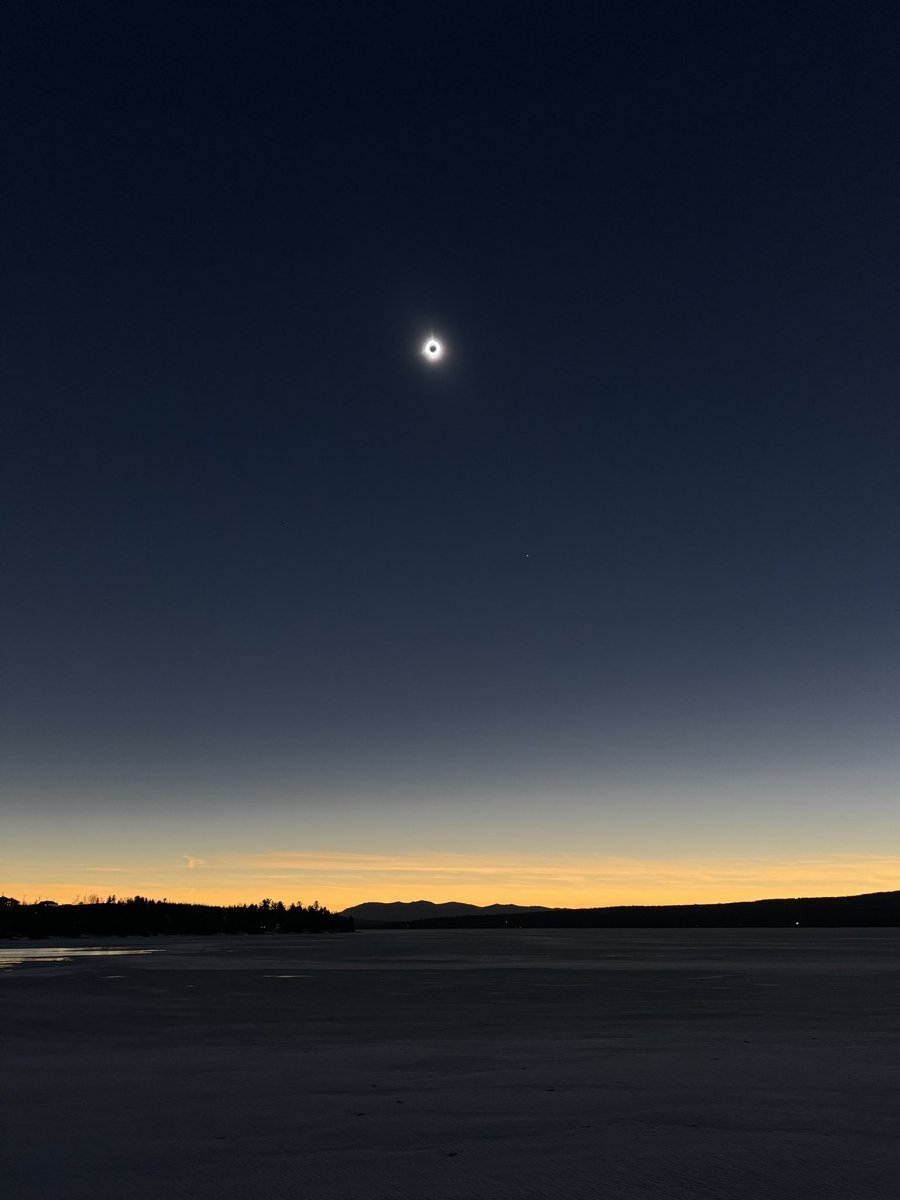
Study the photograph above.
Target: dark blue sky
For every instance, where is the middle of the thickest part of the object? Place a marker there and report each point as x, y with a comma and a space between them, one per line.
633, 544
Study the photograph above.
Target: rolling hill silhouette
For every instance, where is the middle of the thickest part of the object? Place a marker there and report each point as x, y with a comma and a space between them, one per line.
871, 909
402, 912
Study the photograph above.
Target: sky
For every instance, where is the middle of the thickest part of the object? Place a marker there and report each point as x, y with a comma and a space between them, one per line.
602, 607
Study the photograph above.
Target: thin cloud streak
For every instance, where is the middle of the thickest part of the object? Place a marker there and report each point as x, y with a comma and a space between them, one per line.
560, 880
532, 877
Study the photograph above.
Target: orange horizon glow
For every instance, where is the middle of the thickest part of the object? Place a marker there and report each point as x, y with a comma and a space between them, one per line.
563, 881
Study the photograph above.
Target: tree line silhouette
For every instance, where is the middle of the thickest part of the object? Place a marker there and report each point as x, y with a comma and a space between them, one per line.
142, 917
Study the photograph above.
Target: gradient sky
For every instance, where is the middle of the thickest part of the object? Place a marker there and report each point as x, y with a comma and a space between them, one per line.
602, 608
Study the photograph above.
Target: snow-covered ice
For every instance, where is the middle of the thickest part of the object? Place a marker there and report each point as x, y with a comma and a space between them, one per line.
453, 1065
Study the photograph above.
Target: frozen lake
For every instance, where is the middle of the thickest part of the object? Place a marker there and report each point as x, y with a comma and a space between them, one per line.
484, 1065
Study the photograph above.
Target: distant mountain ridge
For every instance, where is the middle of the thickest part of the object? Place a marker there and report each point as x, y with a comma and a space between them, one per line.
424, 910
872, 910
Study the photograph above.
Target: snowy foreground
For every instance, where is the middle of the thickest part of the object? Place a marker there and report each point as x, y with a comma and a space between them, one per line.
449, 1065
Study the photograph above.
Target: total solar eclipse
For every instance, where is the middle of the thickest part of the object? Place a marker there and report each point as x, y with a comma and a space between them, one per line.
433, 350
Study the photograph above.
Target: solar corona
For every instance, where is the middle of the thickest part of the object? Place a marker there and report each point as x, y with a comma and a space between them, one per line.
433, 350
